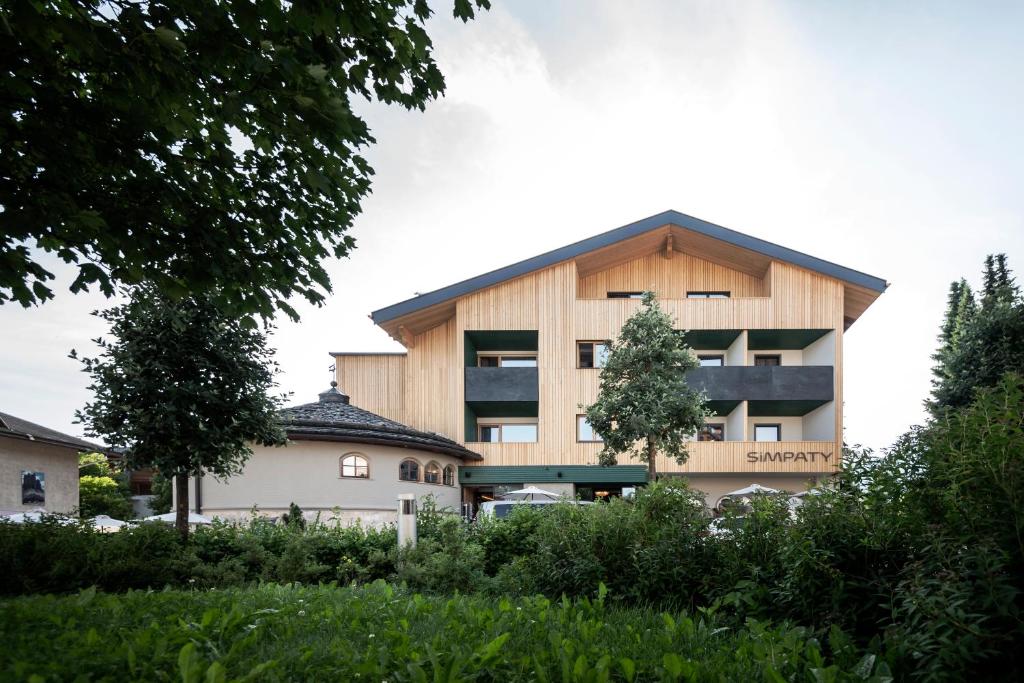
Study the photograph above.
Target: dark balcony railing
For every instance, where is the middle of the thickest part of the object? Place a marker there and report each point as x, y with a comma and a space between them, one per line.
491, 385
764, 383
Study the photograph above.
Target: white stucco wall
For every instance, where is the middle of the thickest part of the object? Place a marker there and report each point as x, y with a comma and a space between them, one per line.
59, 464
792, 426
308, 474
820, 423
821, 352
789, 356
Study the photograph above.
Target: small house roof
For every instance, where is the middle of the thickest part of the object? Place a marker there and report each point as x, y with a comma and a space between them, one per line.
333, 418
17, 428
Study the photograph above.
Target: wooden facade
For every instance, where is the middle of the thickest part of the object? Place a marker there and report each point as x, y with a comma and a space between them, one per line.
567, 302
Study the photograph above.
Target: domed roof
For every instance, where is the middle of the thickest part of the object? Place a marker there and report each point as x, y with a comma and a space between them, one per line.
333, 418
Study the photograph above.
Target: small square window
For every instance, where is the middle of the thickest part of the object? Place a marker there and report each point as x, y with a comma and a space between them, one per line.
711, 432
592, 354
584, 432
767, 433
768, 359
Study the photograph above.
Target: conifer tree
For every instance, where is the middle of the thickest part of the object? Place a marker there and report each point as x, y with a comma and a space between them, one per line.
645, 406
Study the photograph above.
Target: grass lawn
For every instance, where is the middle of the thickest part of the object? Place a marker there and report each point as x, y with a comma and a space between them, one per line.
379, 633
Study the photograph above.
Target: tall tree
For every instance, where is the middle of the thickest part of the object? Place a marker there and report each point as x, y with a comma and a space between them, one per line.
182, 388
980, 341
210, 148
645, 406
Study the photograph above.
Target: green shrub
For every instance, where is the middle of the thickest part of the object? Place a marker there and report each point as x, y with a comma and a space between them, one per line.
285, 633
103, 496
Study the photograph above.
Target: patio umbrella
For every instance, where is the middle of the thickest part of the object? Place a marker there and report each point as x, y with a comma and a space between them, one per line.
530, 493
36, 515
750, 490
107, 523
171, 517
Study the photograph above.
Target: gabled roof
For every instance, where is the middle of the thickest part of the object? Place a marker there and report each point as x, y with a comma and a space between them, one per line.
15, 427
333, 418
626, 232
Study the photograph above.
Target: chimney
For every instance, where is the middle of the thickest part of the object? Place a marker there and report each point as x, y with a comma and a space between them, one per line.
332, 395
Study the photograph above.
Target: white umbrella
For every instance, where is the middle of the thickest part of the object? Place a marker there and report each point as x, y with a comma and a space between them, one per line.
36, 515
530, 493
750, 490
107, 523
171, 518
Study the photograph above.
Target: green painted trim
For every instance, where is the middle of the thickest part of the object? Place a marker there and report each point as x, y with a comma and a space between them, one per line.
706, 340
538, 474
502, 408
769, 340
499, 340
781, 408
722, 408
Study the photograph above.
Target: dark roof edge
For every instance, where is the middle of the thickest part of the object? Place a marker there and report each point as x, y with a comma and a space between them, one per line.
335, 354
610, 237
342, 434
82, 447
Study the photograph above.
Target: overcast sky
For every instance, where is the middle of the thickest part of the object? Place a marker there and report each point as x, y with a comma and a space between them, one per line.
884, 139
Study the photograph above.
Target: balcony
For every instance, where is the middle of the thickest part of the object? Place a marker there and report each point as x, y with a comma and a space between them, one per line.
776, 457
501, 385
803, 385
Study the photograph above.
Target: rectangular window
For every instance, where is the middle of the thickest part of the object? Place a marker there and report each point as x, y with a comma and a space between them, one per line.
768, 360
711, 432
508, 433
707, 295
625, 295
503, 361
715, 361
584, 432
591, 354
33, 488
767, 432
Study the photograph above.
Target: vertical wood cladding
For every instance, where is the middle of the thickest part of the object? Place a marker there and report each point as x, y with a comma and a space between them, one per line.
425, 388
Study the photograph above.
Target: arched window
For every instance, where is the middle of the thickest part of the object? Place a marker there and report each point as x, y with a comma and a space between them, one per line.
449, 476
409, 470
432, 473
355, 465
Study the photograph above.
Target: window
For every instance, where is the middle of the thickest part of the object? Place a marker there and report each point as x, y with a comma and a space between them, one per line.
592, 354
508, 433
432, 473
353, 465
33, 488
625, 295
503, 361
711, 432
584, 432
707, 361
767, 432
449, 476
409, 470
769, 360
707, 295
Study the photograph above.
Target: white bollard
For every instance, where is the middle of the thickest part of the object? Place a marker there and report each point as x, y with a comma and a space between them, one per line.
406, 520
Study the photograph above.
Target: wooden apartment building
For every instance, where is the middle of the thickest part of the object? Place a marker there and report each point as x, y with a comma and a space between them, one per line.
502, 362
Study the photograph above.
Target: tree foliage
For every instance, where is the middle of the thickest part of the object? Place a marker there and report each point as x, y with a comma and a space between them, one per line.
182, 388
205, 147
979, 341
102, 489
645, 406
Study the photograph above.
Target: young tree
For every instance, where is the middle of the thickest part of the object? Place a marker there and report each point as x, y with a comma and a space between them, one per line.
182, 388
204, 147
980, 341
645, 406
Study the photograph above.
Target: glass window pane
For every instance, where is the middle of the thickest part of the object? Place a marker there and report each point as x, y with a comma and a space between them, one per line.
767, 360
711, 432
518, 361
584, 432
488, 361
490, 433
519, 433
449, 476
409, 470
586, 355
432, 473
766, 432
600, 355
711, 361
